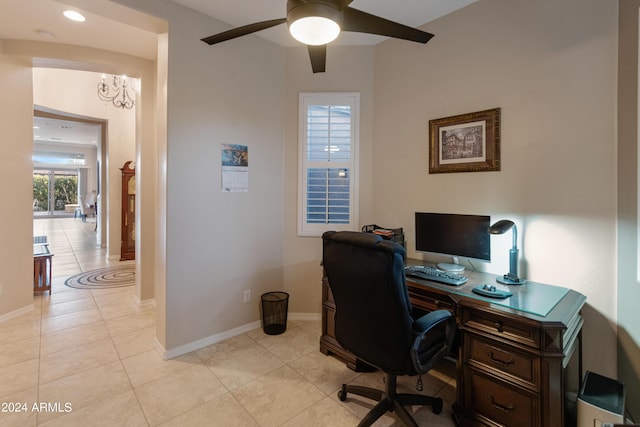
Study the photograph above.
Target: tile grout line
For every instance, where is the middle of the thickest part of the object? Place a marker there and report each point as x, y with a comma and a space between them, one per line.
124, 369
39, 359
68, 244
73, 250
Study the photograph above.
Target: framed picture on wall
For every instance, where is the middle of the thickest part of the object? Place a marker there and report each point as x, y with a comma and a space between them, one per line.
465, 143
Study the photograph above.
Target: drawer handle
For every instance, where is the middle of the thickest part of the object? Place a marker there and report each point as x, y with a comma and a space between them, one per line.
437, 303
499, 326
508, 362
503, 408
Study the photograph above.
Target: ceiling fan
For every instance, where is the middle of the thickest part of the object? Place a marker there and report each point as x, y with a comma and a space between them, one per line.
318, 22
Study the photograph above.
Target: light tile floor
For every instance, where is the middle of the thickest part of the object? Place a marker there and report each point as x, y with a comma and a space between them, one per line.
87, 358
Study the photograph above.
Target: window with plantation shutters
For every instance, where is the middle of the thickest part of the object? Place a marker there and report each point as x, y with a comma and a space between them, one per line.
328, 143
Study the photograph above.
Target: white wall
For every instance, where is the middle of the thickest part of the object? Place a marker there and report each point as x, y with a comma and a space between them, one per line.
160, 206
629, 289
219, 244
551, 67
16, 188
216, 96
349, 69
76, 92
552, 74
17, 58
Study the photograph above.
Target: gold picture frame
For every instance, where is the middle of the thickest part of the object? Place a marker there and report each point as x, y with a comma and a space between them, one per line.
465, 143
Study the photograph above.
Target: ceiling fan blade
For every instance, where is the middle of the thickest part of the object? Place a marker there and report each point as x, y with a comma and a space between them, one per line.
343, 3
242, 31
318, 56
357, 21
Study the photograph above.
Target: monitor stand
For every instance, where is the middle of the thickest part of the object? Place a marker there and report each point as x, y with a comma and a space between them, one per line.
454, 268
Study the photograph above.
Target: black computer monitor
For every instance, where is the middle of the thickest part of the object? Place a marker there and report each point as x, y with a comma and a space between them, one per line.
454, 235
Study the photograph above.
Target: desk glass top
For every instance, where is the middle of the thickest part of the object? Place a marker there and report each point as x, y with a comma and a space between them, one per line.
532, 297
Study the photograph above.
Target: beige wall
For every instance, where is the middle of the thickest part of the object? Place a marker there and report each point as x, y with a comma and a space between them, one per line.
129, 134
219, 244
160, 211
57, 55
146, 155
628, 287
16, 188
75, 92
349, 69
551, 68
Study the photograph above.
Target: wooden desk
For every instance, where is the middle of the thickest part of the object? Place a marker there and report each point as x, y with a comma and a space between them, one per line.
510, 361
42, 268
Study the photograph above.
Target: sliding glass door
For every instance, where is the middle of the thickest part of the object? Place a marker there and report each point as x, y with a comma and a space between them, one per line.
55, 192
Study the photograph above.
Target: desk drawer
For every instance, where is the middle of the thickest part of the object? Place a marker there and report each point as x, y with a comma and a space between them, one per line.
425, 299
505, 360
500, 326
494, 400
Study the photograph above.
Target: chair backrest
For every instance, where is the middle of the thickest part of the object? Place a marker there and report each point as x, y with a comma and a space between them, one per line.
81, 203
90, 199
373, 311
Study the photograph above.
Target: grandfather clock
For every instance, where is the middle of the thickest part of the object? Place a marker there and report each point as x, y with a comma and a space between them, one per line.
128, 243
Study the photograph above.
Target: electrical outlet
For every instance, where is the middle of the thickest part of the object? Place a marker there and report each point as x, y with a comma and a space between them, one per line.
246, 297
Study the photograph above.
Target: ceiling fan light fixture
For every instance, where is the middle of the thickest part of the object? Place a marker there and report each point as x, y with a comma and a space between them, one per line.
314, 24
314, 30
317, 23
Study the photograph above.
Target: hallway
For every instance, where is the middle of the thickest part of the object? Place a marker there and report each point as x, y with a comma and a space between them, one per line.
90, 357
73, 245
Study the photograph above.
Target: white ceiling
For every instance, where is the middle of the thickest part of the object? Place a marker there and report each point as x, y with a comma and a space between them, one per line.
236, 13
113, 27
42, 20
65, 131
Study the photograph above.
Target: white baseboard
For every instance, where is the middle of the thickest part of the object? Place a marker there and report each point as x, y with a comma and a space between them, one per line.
159, 348
213, 339
196, 345
145, 303
19, 312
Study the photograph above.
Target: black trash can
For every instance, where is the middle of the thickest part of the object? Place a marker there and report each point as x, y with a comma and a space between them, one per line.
274, 312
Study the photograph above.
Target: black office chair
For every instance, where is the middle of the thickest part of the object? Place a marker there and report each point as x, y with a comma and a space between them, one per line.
373, 319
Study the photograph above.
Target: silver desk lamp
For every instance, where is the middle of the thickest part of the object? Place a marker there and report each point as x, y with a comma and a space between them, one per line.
510, 278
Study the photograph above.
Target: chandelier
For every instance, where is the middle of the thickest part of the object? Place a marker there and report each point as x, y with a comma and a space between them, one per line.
118, 92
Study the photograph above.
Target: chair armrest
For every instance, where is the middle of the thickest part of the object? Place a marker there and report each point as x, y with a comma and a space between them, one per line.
429, 345
428, 321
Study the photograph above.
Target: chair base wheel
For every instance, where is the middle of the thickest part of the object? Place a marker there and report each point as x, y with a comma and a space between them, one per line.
342, 394
436, 408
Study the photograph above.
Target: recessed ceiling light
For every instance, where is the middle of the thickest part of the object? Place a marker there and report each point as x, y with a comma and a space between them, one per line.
74, 15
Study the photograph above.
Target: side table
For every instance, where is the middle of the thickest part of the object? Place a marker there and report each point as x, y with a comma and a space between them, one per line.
42, 268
